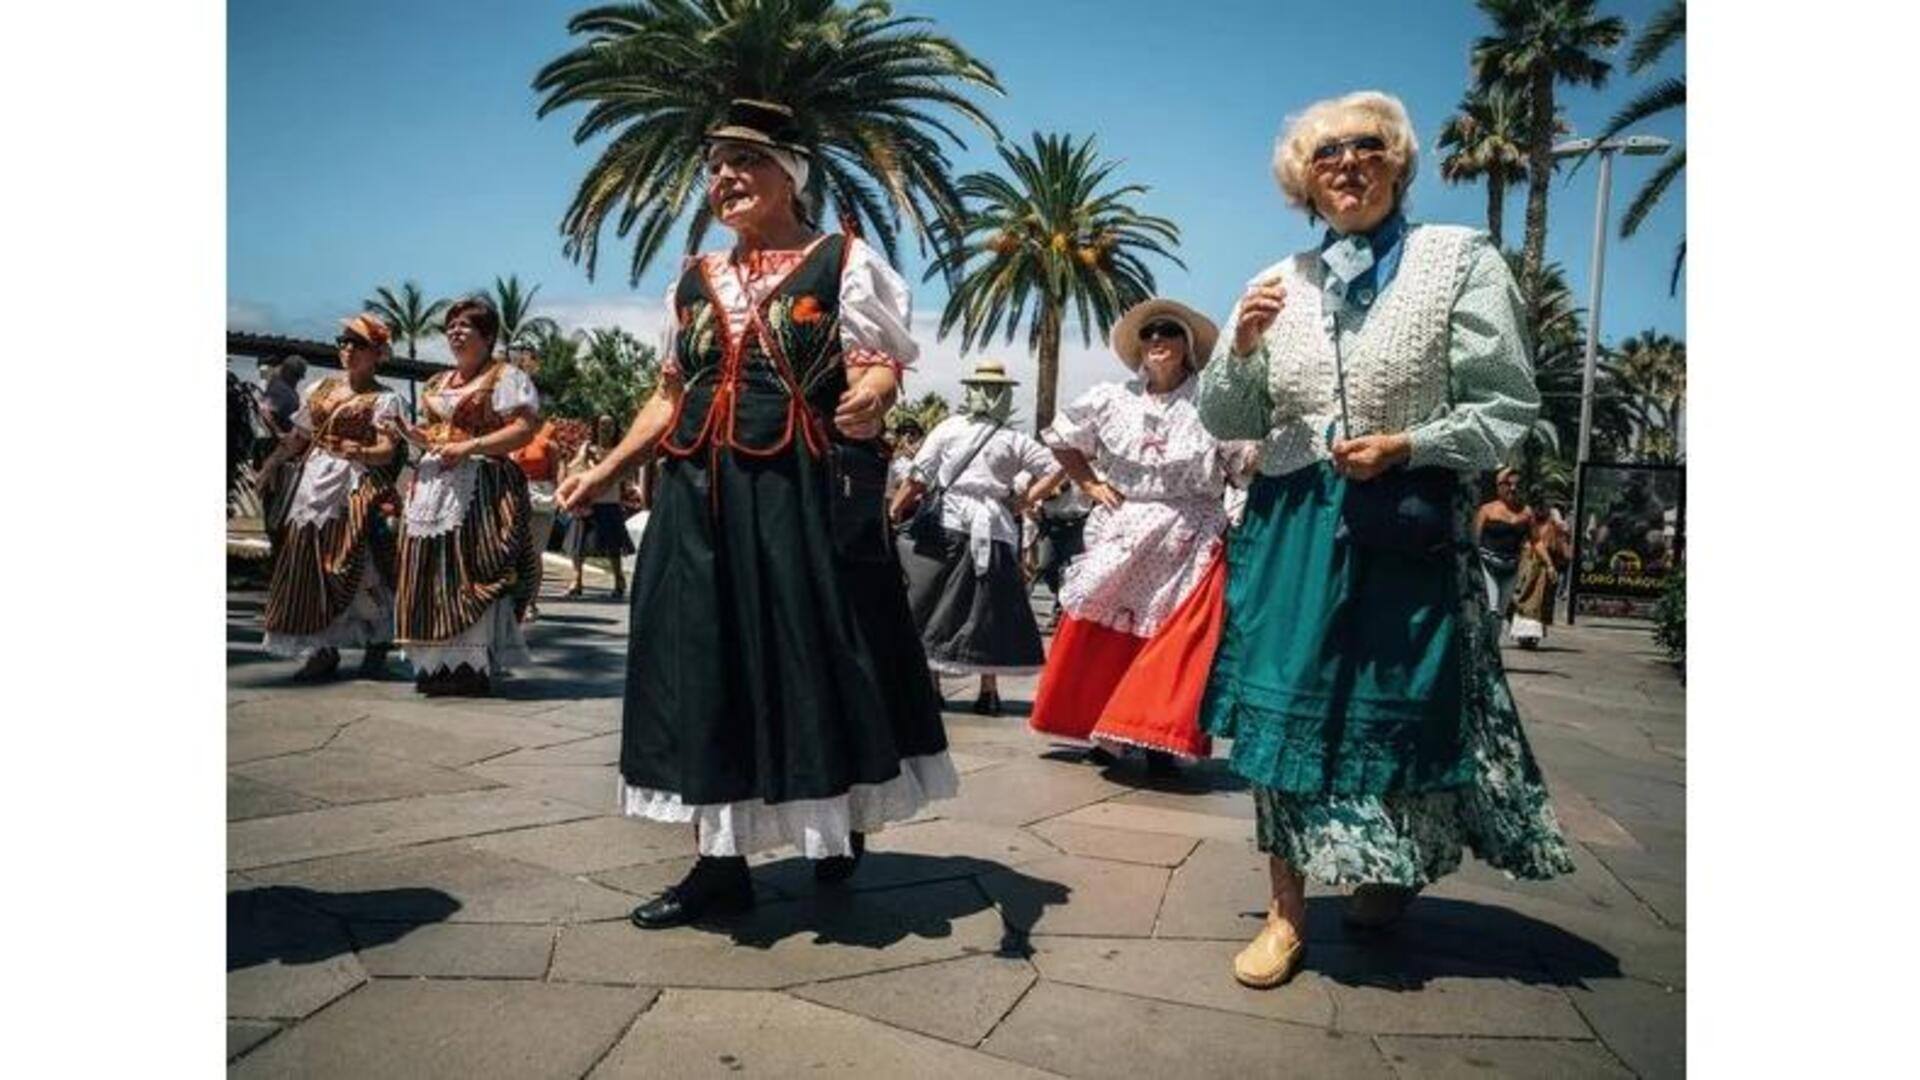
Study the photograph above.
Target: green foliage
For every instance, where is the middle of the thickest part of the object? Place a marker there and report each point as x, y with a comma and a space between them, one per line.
1667, 28
873, 93
1044, 237
519, 327
1670, 618
1653, 369
407, 312
1537, 45
1486, 140
927, 410
601, 372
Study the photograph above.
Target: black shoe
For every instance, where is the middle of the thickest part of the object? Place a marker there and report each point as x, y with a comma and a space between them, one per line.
1161, 764
837, 868
715, 886
374, 664
987, 705
320, 666
433, 684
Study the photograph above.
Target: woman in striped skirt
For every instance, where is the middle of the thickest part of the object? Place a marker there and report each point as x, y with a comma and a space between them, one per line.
468, 568
332, 577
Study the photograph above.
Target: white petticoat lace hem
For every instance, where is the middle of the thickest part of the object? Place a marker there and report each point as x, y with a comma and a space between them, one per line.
818, 827
368, 620
493, 644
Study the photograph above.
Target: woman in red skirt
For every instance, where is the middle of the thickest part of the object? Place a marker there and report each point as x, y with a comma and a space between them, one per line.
1142, 604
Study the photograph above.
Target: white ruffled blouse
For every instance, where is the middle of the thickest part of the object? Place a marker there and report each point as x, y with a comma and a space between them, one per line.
438, 500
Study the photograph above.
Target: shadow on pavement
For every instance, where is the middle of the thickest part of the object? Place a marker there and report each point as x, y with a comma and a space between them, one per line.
302, 926
923, 896
1446, 938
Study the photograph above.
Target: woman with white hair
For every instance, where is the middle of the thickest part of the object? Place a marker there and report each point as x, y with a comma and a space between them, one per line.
776, 693
1358, 672
1129, 662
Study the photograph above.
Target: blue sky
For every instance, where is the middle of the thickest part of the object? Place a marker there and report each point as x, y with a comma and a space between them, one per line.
371, 142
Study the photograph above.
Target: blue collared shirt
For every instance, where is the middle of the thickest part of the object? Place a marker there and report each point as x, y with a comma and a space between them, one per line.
1387, 241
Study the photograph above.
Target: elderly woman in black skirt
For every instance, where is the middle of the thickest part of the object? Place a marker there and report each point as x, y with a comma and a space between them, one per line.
776, 692
602, 531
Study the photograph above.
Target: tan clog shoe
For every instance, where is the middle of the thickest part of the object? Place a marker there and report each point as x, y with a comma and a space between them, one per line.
1272, 958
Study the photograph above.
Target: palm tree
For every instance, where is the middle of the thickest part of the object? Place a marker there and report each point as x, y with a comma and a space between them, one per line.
1662, 32
1557, 329
407, 312
518, 327
1653, 366
1486, 140
869, 89
1536, 45
1047, 235
927, 410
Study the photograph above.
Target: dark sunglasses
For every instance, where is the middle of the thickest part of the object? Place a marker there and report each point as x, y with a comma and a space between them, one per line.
736, 161
1364, 147
352, 341
1168, 331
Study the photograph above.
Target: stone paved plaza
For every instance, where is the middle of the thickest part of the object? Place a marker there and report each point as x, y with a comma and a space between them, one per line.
440, 889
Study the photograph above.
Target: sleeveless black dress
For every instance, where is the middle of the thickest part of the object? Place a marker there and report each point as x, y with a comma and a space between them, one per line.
776, 689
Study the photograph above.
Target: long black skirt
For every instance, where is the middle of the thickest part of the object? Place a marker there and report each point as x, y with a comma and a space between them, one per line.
776, 692
971, 623
602, 531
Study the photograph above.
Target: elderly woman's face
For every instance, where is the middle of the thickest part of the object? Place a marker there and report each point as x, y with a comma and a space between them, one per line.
1163, 351
746, 188
1352, 178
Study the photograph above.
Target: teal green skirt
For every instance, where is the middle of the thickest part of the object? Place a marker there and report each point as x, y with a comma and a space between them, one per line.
1365, 700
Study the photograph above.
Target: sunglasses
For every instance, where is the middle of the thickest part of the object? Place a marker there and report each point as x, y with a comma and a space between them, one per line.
1163, 331
351, 341
1364, 147
737, 162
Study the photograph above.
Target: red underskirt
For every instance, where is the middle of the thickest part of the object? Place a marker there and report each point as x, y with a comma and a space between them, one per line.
1107, 685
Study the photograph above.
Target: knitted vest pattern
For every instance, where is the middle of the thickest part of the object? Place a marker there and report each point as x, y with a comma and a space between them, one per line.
1396, 362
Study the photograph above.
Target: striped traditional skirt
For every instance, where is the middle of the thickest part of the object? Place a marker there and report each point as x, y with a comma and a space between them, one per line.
330, 585
467, 566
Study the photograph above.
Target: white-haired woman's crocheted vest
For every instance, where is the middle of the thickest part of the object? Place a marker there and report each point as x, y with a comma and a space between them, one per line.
1396, 362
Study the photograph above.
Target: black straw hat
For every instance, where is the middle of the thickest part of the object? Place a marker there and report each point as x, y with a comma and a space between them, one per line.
762, 123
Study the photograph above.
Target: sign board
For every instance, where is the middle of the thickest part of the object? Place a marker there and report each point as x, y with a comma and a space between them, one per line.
1629, 536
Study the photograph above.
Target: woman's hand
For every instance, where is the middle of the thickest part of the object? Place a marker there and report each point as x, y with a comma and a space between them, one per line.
576, 493
862, 410
1261, 304
1370, 455
1104, 493
454, 453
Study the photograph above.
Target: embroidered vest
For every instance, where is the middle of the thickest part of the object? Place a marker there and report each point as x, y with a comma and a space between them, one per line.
473, 414
342, 416
1395, 360
775, 381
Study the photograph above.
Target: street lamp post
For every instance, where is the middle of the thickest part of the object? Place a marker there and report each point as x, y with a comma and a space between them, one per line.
1637, 146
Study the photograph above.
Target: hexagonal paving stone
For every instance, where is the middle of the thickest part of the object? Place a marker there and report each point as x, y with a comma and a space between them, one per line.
340, 830
1472, 1059
483, 888
1198, 973
459, 1030
456, 950
713, 1033
1071, 895
1116, 845
958, 1000
1090, 1033
341, 777
786, 943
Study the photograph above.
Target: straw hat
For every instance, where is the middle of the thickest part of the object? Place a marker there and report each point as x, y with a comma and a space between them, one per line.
1201, 333
369, 328
990, 372
760, 123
